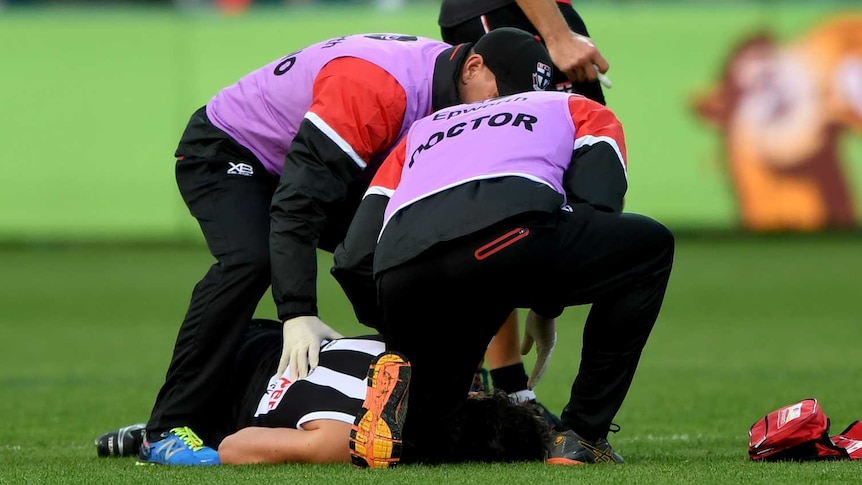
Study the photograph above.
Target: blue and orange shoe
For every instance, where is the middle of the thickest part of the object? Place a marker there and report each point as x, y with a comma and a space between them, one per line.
178, 447
375, 440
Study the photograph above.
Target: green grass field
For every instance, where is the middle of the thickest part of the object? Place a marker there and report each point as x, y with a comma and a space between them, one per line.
749, 325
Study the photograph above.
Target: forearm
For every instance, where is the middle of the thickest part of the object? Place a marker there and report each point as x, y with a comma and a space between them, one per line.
597, 177
324, 444
316, 176
296, 222
546, 18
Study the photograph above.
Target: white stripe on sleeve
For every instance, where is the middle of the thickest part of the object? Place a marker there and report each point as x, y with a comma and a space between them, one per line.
379, 190
588, 140
335, 137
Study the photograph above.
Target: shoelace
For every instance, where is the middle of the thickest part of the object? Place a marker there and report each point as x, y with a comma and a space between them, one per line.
614, 428
189, 438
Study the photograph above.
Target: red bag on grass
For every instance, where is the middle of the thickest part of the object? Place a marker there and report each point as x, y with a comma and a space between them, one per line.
851, 440
798, 432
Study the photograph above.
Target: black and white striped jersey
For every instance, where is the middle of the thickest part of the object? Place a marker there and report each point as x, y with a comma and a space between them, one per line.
333, 390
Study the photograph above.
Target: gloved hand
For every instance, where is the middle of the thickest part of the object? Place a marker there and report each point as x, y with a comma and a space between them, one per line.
542, 331
301, 351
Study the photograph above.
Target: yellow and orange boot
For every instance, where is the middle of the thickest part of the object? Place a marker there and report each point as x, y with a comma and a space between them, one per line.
375, 440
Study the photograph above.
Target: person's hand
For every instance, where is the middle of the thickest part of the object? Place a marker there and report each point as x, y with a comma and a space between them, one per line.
301, 351
579, 58
542, 331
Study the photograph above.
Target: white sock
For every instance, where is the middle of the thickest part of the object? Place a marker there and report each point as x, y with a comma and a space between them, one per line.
522, 396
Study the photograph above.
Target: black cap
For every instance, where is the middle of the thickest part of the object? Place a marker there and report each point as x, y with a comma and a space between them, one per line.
519, 61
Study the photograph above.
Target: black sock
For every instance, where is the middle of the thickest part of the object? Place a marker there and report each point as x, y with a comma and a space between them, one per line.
509, 379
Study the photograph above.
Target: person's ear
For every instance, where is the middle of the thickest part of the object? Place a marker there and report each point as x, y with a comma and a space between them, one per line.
471, 67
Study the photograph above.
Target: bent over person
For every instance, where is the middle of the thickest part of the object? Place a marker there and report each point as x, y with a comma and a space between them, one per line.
509, 203
273, 168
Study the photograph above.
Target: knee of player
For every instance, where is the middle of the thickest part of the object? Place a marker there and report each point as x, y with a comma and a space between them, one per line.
655, 240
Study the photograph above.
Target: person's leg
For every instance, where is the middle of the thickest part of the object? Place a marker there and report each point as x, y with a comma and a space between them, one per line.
621, 264
233, 213
505, 363
441, 310
443, 346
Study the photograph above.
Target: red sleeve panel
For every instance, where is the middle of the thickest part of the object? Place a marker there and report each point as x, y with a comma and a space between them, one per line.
595, 123
359, 106
597, 173
388, 176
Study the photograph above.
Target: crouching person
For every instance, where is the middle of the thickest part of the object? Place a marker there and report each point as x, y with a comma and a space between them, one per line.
510, 203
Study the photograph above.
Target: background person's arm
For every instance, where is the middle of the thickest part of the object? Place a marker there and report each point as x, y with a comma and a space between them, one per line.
572, 53
321, 441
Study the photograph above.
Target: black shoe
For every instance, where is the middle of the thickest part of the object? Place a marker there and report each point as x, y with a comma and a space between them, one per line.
567, 448
121, 442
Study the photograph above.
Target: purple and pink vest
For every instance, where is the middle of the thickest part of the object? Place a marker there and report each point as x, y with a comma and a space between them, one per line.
263, 110
529, 135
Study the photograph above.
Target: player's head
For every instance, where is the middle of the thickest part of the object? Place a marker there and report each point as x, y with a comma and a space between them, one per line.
491, 429
502, 62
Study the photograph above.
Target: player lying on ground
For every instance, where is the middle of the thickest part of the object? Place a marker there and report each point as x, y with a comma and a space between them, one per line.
269, 419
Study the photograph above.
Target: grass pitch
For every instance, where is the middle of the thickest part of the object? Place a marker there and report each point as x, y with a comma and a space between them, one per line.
749, 325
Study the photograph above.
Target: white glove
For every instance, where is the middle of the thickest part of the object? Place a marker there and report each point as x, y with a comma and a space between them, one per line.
542, 331
301, 351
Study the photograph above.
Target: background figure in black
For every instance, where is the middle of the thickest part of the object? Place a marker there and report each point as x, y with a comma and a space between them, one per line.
558, 24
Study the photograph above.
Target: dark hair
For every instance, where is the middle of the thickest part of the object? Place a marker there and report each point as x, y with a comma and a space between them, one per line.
492, 429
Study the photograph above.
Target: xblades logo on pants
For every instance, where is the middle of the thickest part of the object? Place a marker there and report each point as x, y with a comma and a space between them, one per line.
240, 168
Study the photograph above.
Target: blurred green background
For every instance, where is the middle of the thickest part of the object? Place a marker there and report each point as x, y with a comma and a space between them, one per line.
94, 100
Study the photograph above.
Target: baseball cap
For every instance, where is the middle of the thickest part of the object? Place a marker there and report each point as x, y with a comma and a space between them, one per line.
519, 61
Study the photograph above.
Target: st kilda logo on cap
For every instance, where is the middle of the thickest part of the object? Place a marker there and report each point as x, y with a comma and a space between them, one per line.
542, 76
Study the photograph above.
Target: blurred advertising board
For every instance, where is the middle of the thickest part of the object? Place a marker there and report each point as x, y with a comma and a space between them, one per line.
737, 115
